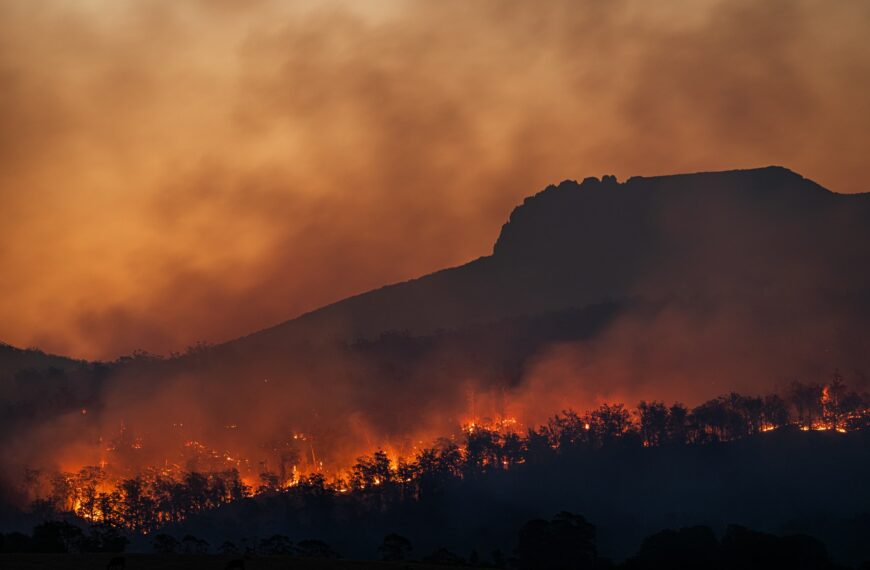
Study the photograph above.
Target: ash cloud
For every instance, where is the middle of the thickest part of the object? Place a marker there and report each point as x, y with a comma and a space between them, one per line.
180, 173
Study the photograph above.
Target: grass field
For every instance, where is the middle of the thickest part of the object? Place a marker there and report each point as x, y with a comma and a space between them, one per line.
192, 562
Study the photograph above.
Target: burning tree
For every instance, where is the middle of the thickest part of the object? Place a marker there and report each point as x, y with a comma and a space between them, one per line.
155, 497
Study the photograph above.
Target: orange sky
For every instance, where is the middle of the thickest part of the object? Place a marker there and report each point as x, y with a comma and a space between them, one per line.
182, 171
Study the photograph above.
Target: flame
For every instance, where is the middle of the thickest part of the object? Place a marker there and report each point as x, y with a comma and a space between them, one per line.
504, 424
121, 469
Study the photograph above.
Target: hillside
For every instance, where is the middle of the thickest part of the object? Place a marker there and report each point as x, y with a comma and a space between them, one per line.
13, 359
705, 235
678, 288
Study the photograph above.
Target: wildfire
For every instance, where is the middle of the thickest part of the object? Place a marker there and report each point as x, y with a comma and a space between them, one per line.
833, 412
198, 476
502, 425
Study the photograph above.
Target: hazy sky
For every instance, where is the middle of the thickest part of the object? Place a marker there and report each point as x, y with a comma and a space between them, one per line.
180, 171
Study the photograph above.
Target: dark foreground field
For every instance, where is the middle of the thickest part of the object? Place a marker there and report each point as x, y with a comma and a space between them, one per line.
192, 562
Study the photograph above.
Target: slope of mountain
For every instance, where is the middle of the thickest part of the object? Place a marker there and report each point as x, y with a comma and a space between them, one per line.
735, 235
706, 282
13, 359
676, 288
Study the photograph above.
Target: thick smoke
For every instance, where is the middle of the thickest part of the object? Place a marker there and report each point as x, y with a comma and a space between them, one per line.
181, 172
175, 172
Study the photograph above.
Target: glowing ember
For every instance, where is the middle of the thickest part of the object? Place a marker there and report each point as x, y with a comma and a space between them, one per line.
128, 488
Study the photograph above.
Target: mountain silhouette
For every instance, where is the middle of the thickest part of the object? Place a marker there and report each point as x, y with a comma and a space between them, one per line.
751, 276
764, 236
677, 287
13, 359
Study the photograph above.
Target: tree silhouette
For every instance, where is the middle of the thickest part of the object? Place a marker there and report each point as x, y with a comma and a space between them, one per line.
775, 411
678, 425
276, 545
744, 548
684, 549
106, 538
609, 422
165, 544
156, 498
653, 423
806, 399
57, 537
512, 450
483, 450
371, 471
539, 451
565, 542
568, 430
312, 548
394, 548
444, 557
194, 545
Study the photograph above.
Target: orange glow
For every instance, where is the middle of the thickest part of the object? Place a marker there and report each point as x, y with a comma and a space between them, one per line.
210, 163
95, 493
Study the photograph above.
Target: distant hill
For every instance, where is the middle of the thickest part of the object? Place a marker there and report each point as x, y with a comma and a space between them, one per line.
743, 278
766, 240
675, 288
13, 359
745, 232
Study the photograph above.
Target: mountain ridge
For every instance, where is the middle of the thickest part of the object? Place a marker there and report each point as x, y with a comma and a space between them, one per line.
566, 221
675, 289
550, 230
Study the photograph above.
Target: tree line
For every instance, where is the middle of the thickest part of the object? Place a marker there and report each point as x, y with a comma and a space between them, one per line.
154, 499
567, 541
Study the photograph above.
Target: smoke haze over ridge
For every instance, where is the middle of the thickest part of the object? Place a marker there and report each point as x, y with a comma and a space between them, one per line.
171, 172
676, 288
